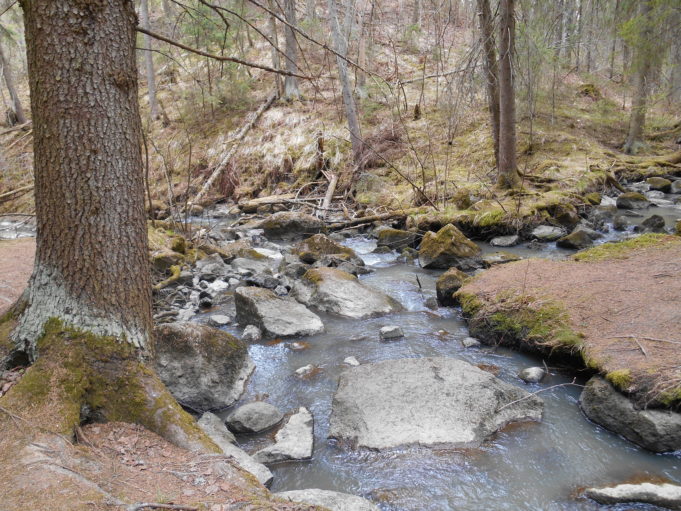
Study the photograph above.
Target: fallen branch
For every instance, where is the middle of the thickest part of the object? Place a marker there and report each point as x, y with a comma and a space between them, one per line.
654, 339
333, 181
157, 505
16, 128
23, 189
365, 220
241, 134
571, 384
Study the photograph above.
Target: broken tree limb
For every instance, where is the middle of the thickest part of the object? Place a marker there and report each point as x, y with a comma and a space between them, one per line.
366, 219
23, 189
241, 134
333, 181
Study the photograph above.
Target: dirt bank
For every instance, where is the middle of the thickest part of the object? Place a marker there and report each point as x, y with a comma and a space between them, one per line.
615, 306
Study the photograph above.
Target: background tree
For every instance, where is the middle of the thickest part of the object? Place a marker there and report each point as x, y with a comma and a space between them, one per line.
7, 74
149, 61
291, 90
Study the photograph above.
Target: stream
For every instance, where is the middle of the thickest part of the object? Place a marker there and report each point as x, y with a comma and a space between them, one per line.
527, 466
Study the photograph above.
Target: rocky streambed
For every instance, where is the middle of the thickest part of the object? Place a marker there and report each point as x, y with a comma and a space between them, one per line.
379, 391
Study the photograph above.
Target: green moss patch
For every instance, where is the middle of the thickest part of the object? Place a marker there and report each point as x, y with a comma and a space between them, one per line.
623, 249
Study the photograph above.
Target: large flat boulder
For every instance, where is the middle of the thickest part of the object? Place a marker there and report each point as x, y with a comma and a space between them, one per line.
449, 248
338, 292
656, 430
203, 367
427, 402
662, 495
333, 500
276, 316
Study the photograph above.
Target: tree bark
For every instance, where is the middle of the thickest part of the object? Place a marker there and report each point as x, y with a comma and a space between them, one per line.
291, 90
149, 61
341, 46
276, 62
9, 81
508, 176
91, 264
491, 70
310, 10
642, 61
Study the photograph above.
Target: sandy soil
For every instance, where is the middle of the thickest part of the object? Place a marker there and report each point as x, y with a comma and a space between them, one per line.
629, 309
16, 264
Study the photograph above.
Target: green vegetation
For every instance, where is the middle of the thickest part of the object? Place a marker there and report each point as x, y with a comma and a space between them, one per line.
622, 249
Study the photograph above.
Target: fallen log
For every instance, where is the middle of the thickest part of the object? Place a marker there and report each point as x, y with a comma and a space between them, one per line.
366, 219
241, 134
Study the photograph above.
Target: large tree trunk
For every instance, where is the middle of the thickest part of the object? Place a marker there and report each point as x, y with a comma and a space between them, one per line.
149, 61
491, 70
508, 169
642, 62
291, 90
341, 46
91, 266
9, 81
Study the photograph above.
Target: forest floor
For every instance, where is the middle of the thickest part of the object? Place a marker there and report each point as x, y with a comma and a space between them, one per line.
616, 305
16, 265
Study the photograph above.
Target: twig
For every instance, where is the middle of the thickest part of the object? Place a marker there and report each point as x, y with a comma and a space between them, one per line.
157, 505
219, 57
636, 337
16, 190
572, 383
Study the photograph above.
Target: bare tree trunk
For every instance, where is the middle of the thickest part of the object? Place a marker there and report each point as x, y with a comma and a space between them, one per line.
149, 61
642, 62
508, 176
91, 264
613, 35
341, 46
491, 70
291, 90
416, 14
310, 10
580, 29
9, 81
276, 62
560, 27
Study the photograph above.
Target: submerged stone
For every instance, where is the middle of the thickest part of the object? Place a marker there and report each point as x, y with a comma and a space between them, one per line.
427, 402
254, 417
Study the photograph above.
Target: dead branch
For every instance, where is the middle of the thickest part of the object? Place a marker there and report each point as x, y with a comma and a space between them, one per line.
23, 189
637, 337
571, 384
16, 128
241, 134
157, 505
219, 57
367, 219
333, 181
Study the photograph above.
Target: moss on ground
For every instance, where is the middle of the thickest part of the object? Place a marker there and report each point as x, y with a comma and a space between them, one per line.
622, 249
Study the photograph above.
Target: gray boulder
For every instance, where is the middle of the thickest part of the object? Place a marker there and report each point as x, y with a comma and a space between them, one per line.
548, 233
676, 186
449, 248
662, 495
659, 183
632, 200
427, 402
656, 430
654, 223
532, 374
218, 433
218, 320
294, 441
276, 316
203, 367
470, 342
338, 292
390, 332
290, 225
251, 334
333, 500
214, 427
505, 241
254, 417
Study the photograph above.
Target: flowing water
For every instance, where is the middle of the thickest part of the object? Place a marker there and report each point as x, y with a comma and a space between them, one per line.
527, 466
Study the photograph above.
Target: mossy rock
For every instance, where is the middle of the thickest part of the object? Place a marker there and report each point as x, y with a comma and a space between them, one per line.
632, 200
565, 215
396, 238
678, 228
449, 248
290, 225
447, 284
593, 198
315, 247
659, 183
